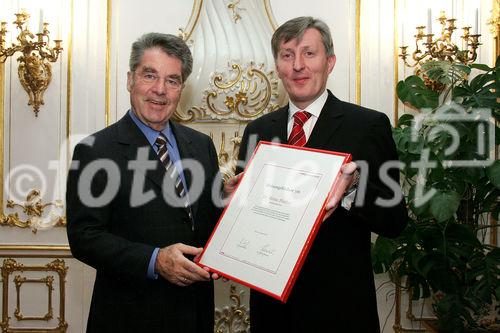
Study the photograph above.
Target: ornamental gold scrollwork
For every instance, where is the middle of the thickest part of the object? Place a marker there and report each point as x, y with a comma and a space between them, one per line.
248, 94
34, 208
191, 115
228, 160
35, 75
244, 93
234, 318
185, 37
233, 7
57, 266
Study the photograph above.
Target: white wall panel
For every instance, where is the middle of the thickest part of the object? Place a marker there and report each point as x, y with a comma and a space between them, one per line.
33, 144
129, 22
340, 17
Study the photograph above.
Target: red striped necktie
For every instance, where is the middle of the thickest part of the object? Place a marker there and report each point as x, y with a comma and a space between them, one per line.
297, 136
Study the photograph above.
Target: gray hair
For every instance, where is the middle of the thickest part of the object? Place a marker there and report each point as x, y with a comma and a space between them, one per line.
295, 28
170, 44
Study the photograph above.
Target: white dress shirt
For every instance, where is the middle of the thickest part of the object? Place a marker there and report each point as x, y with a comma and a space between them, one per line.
315, 109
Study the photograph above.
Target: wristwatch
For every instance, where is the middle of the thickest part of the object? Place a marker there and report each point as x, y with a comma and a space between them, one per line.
354, 184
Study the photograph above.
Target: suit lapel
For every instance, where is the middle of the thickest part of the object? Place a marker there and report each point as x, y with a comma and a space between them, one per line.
131, 139
329, 121
278, 129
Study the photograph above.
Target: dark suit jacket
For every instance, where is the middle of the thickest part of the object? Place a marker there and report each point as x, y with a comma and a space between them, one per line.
335, 289
118, 238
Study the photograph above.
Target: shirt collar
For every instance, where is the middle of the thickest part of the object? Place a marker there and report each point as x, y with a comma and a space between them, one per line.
314, 108
150, 133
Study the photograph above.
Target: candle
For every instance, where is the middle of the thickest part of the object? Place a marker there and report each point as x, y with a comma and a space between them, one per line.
429, 21
476, 22
40, 25
402, 34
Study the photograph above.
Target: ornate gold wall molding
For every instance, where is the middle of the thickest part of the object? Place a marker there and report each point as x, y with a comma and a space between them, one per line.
10, 266
494, 23
234, 318
34, 208
243, 93
49, 282
33, 247
2, 101
35, 251
69, 78
269, 14
358, 51
192, 21
396, 62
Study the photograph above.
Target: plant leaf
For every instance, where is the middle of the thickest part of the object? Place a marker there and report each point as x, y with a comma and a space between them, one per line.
413, 91
493, 173
482, 277
405, 120
445, 72
382, 254
482, 67
444, 205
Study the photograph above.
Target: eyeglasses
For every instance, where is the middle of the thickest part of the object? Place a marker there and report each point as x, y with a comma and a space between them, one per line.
152, 78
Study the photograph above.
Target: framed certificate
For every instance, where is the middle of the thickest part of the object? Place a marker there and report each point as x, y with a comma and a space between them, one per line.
266, 230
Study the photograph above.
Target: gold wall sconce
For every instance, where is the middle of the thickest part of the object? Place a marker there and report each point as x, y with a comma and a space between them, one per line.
442, 48
34, 69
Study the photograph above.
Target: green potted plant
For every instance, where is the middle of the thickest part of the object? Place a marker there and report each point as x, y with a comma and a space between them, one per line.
443, 252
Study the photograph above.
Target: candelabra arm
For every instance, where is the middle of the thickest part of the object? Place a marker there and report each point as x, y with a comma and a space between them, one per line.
442, 48
9, 52
416, 56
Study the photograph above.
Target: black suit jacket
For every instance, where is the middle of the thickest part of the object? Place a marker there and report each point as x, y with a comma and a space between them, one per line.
118, 238
335, 289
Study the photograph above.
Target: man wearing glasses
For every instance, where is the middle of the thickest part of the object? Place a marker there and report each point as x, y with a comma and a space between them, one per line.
135, 215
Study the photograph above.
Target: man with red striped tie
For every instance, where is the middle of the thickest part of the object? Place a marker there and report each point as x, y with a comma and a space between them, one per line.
335, 289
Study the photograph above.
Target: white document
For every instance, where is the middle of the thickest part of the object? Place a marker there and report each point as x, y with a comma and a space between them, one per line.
266, 230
